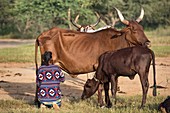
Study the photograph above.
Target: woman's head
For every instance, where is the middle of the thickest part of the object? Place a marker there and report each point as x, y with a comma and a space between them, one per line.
47, 58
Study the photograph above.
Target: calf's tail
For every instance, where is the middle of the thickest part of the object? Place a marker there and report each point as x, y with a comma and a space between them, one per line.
154, 74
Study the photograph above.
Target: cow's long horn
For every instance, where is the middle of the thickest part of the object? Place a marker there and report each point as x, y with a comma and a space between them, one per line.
75, 24
141, 15
98, 20
126, 22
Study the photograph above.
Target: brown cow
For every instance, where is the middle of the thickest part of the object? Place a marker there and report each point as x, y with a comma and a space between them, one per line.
125, 62
77, 53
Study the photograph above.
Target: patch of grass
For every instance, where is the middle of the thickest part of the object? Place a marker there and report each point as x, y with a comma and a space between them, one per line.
124, 105
17, 54
160, 36
161, 51
16, 106
160, 41
159, 32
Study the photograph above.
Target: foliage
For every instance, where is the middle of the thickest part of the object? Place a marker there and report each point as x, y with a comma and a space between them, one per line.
31, 17
6, 21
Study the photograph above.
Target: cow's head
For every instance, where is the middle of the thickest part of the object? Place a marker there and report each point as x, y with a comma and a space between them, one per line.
134, 31
85, 28
90, 88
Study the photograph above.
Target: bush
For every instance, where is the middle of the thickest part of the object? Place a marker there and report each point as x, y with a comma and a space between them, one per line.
17, 36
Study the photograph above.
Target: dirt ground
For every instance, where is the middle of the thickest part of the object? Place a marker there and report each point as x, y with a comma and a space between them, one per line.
17, 81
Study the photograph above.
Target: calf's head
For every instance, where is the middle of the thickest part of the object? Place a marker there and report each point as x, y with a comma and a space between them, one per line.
90, 88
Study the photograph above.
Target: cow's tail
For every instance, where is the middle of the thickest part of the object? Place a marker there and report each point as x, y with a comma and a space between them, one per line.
154, 74
36, 51
36, 64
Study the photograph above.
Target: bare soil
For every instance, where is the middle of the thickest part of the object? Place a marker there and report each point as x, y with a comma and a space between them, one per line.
17, 81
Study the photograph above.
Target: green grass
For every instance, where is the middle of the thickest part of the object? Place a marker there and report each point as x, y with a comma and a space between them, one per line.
160, 41
159, 37
18, 54
124, 105
161, 51
159, 32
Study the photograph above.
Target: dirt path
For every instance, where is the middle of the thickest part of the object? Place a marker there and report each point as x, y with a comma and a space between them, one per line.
17, 80
5, 43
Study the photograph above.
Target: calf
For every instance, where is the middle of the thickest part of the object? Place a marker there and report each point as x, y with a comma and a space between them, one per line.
165, 105
125, 62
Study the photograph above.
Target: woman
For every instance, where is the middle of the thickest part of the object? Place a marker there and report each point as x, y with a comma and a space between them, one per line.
48, 81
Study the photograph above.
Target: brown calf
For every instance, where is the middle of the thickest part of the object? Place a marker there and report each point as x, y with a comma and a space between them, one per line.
165, 105
125, 62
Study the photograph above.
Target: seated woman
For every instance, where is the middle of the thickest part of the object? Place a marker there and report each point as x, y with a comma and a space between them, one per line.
48, 81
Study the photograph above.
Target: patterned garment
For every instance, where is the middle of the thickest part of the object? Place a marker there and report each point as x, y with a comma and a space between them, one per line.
48, 81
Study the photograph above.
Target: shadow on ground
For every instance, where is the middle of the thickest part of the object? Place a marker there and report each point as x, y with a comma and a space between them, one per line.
26, 91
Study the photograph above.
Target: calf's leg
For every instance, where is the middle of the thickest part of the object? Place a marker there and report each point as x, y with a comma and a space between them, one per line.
114, 82
107, 98
145, 86
100, 99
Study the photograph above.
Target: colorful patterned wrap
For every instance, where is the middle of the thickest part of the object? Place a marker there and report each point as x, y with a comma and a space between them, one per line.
48, 81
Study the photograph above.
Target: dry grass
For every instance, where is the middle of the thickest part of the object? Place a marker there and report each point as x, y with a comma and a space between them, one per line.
124, 105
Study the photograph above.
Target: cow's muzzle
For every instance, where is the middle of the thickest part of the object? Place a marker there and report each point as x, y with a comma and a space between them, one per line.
83, 97
148, 44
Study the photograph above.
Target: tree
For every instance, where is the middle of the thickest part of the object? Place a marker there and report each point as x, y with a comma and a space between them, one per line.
31, 17
35, 16
6, 23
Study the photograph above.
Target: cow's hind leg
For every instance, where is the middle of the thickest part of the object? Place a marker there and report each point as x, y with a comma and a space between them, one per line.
107, 98
145, 86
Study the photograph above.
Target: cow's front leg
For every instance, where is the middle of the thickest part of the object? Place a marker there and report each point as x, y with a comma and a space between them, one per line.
107, 98
100, 99
114, 82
